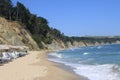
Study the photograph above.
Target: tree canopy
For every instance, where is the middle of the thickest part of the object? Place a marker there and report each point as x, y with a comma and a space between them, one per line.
38, 26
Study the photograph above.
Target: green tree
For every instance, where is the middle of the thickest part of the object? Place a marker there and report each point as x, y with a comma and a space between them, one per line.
6, 8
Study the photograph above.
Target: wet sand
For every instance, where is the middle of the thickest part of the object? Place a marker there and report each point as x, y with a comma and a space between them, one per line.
35, 66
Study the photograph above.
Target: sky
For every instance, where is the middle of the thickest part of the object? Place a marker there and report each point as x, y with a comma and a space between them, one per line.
79, 17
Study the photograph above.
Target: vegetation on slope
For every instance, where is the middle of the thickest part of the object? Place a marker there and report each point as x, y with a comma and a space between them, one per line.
38, 26
12, 33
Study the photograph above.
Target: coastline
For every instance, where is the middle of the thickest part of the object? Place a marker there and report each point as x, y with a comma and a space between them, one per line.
60, 71
35, 66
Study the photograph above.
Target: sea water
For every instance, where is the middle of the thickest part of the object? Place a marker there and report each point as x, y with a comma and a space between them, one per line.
94, 62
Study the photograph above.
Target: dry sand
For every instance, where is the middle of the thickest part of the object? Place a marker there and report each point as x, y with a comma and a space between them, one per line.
35, 66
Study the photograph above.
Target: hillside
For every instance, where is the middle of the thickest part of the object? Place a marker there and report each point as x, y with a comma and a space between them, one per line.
18, 26
15, 34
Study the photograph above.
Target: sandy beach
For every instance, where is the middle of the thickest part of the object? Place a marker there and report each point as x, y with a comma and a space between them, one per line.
35, 66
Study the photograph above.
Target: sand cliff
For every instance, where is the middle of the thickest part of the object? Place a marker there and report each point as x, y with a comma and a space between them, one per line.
12, 33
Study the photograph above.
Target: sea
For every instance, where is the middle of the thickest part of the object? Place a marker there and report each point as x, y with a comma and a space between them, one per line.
94, 62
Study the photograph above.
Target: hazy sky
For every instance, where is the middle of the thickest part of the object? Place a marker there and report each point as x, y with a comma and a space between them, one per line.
79, 17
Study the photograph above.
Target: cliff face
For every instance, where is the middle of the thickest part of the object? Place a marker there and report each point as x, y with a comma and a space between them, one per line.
12, 33
59, 45
15, 34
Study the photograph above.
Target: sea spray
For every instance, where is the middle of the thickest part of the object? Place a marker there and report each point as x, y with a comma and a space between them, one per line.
95, 62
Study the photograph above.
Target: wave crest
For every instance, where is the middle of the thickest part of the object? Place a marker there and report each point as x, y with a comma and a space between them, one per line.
86, 53
56, 55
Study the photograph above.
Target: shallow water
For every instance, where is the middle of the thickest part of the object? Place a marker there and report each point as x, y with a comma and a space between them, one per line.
95, 62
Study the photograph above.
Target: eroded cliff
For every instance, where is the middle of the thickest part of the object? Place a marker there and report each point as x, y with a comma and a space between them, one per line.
12, 33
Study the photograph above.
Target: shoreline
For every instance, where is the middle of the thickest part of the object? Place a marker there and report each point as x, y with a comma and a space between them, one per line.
36, 66
67, 69
62, 72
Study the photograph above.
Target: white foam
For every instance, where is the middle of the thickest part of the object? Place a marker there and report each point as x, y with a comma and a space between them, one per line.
94, 72
98, 72
56, 55
86, 53
99, 47
72, 49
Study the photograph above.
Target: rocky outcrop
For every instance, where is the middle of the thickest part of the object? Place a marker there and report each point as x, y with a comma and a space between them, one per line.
55, 45
12, 33
8, 56
9, 52
59, 45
